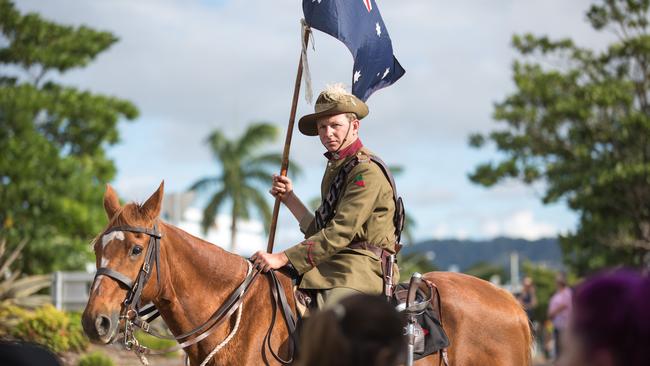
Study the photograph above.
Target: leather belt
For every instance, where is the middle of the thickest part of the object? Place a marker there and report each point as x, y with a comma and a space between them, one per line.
386, 259
379, 252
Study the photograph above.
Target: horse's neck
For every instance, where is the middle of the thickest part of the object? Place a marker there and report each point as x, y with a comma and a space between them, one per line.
198, 277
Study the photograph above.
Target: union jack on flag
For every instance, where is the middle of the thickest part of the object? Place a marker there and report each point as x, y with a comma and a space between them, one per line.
358, 24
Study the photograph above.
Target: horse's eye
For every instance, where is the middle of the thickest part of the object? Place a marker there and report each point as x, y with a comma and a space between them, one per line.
136, 250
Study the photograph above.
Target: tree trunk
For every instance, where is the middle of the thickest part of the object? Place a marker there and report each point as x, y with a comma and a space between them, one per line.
233, 230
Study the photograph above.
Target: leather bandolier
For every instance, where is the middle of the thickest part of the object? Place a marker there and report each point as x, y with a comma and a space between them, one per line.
327, 211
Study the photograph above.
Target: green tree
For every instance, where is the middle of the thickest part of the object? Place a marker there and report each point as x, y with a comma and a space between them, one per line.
244, 178
486, 271
579, 123
415, 262
52, 140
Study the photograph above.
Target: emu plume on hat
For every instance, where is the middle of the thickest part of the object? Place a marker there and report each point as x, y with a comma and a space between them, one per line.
332, 101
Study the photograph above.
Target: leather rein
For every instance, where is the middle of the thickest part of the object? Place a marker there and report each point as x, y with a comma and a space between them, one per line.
135, 316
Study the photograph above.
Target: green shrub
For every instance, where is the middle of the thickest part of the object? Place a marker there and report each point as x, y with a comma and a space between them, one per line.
10, 316
77, 337
95, 359
51, 328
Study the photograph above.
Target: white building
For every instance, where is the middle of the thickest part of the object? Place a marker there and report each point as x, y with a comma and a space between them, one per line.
179, 209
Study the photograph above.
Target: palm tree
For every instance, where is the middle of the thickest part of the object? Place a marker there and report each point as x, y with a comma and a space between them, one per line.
245, 175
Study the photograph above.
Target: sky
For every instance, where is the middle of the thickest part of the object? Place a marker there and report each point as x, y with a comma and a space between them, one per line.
195, 66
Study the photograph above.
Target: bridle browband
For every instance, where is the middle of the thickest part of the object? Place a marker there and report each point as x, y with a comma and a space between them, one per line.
152, 255
134, 315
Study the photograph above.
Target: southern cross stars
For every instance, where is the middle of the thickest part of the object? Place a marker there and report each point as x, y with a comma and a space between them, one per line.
357, 75
378, 28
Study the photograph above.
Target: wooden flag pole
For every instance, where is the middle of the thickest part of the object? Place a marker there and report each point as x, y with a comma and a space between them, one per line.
287, 143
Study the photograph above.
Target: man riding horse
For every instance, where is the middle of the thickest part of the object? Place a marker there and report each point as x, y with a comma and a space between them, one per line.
350, 238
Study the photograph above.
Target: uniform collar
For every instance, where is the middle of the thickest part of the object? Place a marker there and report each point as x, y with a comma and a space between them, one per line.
344, 153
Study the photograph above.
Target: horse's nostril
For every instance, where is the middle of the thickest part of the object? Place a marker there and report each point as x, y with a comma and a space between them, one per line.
103, 325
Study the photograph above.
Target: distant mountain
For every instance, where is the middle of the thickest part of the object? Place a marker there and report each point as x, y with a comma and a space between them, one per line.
466, 253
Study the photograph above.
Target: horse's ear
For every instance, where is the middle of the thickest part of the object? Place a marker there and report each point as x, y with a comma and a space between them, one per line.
151, 208
111, 202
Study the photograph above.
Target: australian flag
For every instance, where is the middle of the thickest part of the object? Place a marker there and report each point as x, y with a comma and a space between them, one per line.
358, 24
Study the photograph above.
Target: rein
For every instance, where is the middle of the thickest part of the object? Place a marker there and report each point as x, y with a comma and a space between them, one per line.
134, 316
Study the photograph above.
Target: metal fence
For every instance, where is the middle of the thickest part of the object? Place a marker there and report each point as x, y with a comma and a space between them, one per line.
70, 290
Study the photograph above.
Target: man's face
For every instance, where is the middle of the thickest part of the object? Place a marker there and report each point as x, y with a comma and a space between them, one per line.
333, 129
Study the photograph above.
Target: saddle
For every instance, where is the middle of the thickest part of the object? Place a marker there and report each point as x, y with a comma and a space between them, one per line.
430, 337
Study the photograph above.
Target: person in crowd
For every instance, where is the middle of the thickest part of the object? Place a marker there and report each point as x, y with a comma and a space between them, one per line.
360, 330
610, 322
528, 296
559, 309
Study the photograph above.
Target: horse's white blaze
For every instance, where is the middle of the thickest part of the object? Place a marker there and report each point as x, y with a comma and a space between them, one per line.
114, 235
97, 281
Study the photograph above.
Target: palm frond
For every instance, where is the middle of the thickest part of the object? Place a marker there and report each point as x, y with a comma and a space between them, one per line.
275, 160
205, 183
407, 232
31, 302
261, 205
254, 136
270, 159
27, 286
212, 209
20, 290
314, 203
396, 170
12, 257
259, 175
218, 143
295, 170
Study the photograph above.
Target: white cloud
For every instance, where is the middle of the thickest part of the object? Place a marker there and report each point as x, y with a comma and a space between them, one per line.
520, 224
441, 231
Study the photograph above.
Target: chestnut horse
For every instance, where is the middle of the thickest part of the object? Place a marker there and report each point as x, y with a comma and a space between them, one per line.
485, 325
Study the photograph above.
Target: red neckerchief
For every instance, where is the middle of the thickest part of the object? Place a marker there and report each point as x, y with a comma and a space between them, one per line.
348, 151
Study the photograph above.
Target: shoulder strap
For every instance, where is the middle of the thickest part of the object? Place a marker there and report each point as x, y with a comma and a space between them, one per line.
387, 173
325, 212
398, 219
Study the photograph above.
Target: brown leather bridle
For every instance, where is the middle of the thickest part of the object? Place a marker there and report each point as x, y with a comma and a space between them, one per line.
135, 316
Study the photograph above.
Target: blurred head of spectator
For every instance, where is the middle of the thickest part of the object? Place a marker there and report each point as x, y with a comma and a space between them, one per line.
21, 353
360, 330
561, 280
527, 282
527, 297
610, 323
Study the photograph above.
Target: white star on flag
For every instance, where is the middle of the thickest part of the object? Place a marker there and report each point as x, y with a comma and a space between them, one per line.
386, 72
357, 75
378, 28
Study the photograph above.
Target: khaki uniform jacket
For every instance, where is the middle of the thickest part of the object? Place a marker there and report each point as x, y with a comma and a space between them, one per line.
364, 212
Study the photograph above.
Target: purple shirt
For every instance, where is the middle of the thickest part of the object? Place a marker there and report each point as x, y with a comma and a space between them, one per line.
560, 298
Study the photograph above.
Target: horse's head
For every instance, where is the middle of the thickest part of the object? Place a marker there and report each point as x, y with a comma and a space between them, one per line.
121, 252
